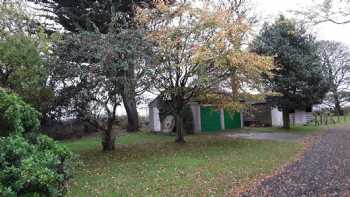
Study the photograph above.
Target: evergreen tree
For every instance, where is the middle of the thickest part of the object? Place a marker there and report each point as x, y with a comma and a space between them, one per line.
96, 16
297, 76
87, 15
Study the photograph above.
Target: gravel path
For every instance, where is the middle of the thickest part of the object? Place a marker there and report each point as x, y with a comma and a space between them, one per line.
324, 170
267, 136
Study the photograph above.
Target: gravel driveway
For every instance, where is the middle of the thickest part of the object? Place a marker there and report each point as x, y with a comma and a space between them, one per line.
324, 170
267, 136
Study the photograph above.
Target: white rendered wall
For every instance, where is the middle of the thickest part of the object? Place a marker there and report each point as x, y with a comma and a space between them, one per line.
196, 114
276, 117
300, 117
222, 119
154, 120
242, 118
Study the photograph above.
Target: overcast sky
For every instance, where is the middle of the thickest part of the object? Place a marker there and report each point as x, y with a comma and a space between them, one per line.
270, 9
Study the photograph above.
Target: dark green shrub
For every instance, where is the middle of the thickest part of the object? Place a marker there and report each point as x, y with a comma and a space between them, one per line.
30, 164
28, 169
16, 115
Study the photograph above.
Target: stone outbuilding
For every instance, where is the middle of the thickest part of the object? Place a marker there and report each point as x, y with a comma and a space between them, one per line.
205, 118
264, 114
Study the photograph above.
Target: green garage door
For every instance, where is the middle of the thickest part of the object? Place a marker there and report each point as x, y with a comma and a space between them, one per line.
210, 120
232, 120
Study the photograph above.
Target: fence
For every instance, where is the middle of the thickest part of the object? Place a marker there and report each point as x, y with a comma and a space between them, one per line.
326, 118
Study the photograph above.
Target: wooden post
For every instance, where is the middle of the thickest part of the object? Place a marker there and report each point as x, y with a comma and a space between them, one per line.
315, 118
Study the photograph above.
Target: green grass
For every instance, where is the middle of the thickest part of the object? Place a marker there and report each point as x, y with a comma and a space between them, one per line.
153, 165
94, 143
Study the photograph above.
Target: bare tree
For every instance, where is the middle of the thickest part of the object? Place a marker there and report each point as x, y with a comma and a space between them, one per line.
335, 58
333, 11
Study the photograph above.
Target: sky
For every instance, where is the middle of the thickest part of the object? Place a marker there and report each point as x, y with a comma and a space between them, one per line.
270, 9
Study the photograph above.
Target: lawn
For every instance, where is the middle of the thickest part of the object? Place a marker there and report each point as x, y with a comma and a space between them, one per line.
94, 143
146, 164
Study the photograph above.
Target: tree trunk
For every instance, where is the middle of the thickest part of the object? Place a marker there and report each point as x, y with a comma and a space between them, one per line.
129, 99
129, 102
179, 129
108, 139
286, 121
338, 110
